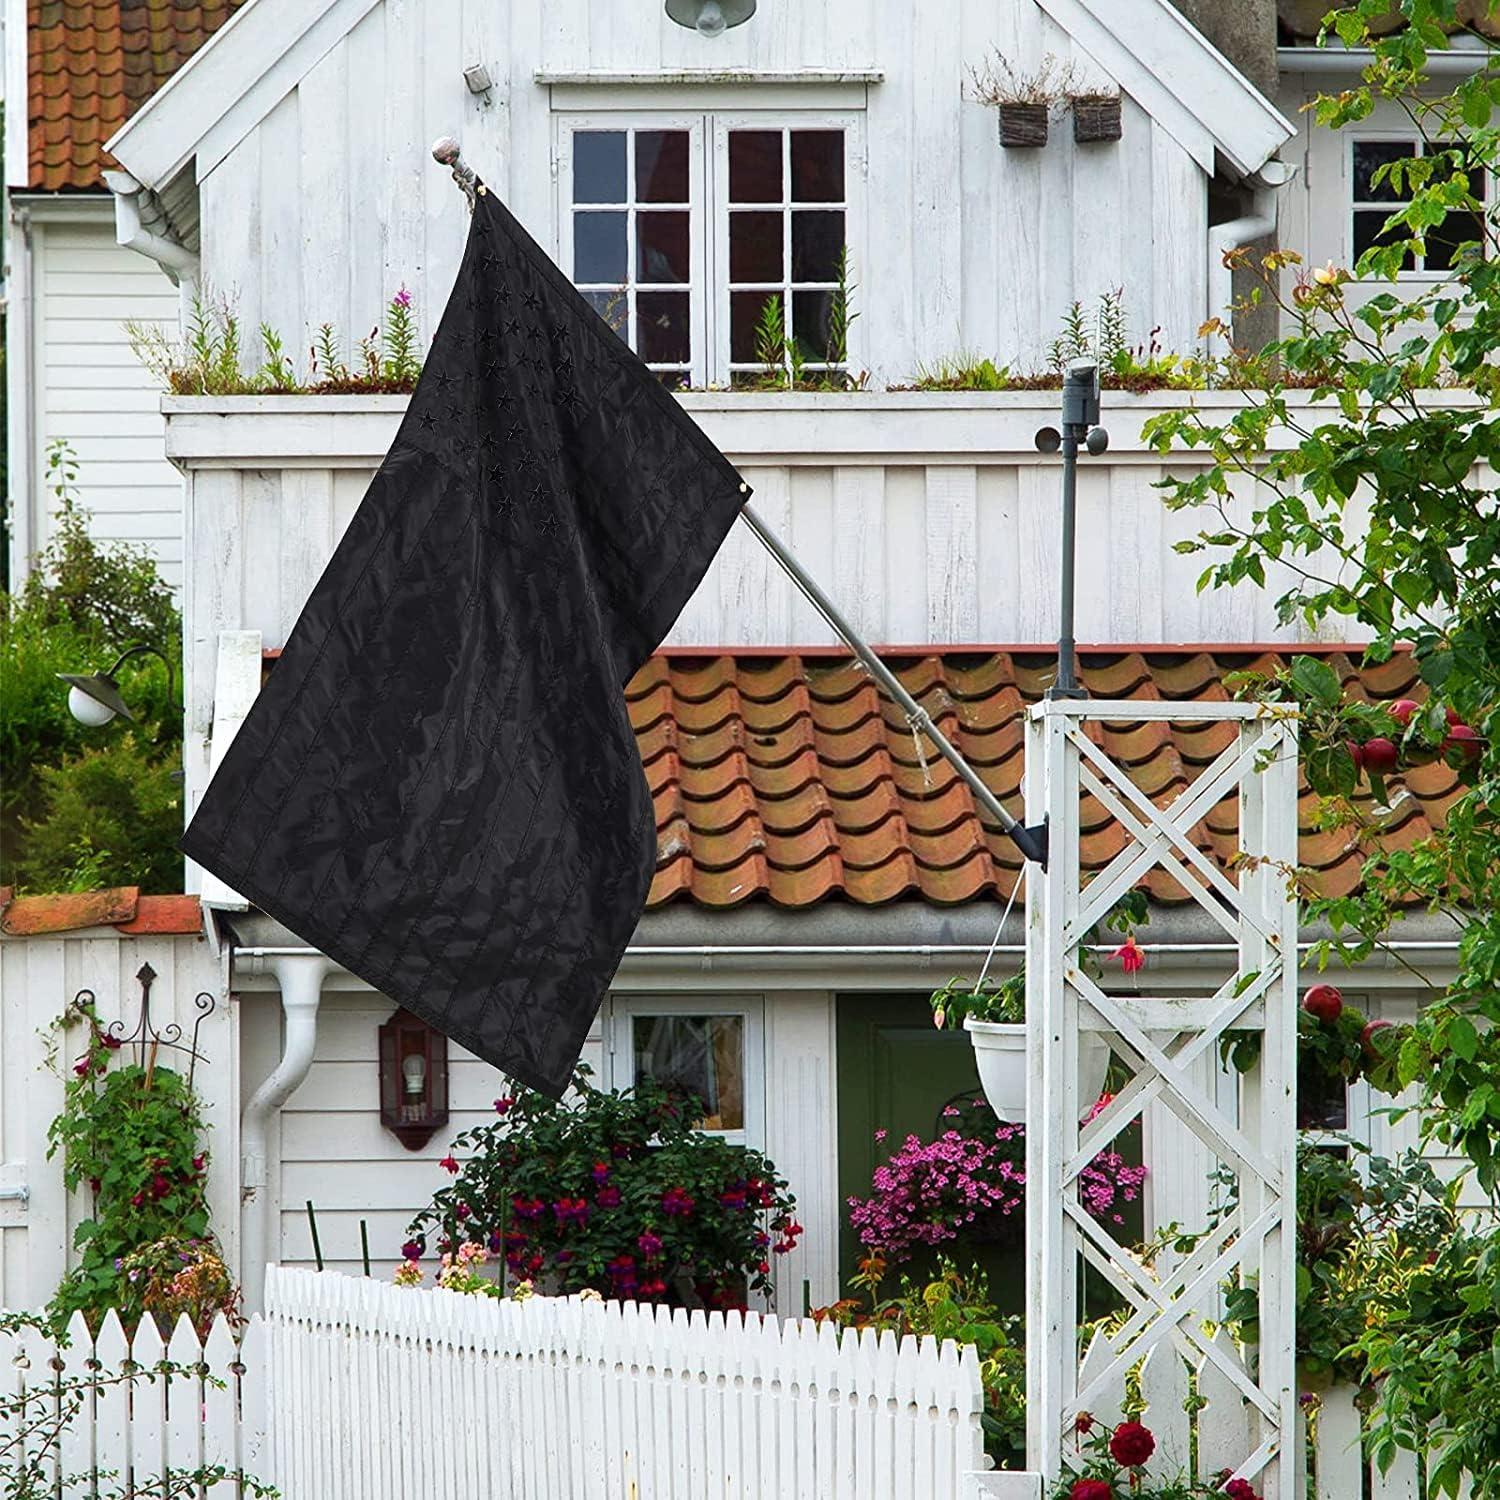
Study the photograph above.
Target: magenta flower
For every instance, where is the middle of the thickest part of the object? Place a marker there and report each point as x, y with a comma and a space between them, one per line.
403, 297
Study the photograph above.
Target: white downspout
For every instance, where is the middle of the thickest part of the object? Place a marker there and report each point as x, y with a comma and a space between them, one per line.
180, 263
1235, 234
300, 977
27, 527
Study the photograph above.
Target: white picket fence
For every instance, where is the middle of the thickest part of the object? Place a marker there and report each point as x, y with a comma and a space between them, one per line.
120, 1430
383, 1393
351, 1389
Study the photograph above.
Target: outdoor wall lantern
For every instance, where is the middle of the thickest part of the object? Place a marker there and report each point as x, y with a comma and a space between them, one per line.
94, 697
413, 1079
710, 18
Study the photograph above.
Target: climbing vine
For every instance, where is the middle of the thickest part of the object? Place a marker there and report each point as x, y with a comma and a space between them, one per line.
130, 1133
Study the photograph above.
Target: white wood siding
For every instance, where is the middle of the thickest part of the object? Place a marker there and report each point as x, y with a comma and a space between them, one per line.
93, 392
39, 976
332, 202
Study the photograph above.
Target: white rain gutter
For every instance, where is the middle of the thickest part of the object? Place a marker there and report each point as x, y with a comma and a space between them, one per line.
906, 950
1234, 235
1458, 59
299, 973
140, 226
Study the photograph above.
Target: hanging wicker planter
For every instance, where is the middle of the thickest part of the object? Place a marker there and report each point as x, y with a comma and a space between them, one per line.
1096, 117
1023, 124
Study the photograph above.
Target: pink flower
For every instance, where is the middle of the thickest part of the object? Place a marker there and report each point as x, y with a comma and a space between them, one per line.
504, 1104
1131, 958
112, 1042
649, 1244
449, 1164
601, 1172
608, 1197
83, 1067
403, 297
677, 1202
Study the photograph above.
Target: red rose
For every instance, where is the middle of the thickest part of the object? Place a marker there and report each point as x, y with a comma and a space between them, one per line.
1083, 1422
1131, 1444
1091, 1489
1239, 1489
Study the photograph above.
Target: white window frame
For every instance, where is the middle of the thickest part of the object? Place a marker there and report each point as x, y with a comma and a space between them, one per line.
784, 122
709, 166
619, 1048
1353, 205
568, 126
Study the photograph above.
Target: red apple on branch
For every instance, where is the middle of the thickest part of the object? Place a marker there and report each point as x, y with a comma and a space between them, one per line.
1402, 710
1464, 739
1379, 754
1324, 1002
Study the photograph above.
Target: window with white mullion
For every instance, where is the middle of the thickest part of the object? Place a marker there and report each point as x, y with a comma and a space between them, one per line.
1372, 203
632, 238
784, 213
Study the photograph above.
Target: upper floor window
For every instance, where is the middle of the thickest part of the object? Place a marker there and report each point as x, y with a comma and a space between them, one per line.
714, 245
1374, 201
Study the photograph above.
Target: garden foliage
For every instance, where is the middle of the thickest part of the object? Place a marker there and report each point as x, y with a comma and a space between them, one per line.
130, 1133
81, 808
618, 1192
1379, 505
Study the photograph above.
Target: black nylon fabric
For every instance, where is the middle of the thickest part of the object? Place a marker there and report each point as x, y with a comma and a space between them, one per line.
439, 786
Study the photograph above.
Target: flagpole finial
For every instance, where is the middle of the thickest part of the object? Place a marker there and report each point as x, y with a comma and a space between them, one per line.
446, 150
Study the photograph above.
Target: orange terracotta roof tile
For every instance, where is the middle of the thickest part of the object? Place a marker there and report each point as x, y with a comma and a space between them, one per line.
121, 907
789, 778
90, 64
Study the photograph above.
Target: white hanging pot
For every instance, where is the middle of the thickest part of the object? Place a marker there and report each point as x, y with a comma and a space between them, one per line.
1000, 1053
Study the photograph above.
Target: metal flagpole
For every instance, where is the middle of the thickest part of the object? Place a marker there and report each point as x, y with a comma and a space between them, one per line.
1031, 841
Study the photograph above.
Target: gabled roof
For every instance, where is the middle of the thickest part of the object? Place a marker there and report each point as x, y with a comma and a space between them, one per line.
1176, 75
90, 64
1155, 55
791, 779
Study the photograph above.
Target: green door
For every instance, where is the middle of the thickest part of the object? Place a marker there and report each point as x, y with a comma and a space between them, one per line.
896, 1072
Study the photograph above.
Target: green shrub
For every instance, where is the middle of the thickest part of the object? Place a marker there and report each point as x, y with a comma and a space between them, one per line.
108, 816
81, 606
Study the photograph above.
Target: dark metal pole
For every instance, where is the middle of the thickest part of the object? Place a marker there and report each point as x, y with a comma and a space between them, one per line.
1080, 423
1032, 842
1066, 685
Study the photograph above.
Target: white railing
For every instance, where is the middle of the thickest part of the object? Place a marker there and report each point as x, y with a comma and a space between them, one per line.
381, 1393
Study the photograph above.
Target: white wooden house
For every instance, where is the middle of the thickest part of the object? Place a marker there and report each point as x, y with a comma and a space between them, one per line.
677, 176
81, 263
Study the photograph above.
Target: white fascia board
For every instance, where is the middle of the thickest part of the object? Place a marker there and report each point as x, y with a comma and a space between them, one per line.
230, 85
65, 208
1172, 71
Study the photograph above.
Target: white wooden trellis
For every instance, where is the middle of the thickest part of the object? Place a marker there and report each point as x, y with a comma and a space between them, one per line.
1160, 1040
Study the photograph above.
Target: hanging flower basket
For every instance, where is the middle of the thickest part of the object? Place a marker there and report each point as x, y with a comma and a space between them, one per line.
1000, 1055
1023, 125
1096, 117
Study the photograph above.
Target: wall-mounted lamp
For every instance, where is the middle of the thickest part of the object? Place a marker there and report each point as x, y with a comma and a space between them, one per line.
413, 1079
710, 18
94, 697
